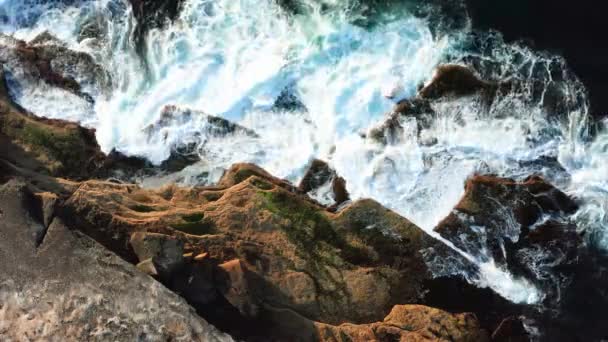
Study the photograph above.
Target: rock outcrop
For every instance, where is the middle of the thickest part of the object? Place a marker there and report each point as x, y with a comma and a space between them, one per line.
54, 147
322, 265
68, 287
524, 226
511, 213
47, 60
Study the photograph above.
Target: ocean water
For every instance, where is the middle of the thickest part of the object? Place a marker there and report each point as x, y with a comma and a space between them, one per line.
235, 58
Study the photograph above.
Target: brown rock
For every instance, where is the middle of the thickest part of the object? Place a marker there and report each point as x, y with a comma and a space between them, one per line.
409, 323
201, 257
453, 80
147, 266
507, 209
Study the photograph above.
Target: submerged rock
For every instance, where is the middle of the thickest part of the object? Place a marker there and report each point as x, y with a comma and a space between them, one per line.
186, 132
454, 80
500, 215
151, 14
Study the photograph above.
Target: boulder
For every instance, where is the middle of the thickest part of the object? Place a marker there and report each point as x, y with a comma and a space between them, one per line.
525, 227
352, 266
496, 214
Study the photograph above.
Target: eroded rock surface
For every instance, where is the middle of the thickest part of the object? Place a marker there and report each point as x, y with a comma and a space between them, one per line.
69, 287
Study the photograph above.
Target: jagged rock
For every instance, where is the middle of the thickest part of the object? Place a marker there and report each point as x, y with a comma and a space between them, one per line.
318, 175
341, 259
409, 323
449, 81
524, 227
509, 212
147, 266
454, 80
55, 147
46, 59
70, 288
391, 130
238, 173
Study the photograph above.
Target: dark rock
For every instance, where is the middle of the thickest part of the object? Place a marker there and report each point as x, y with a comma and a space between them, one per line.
288, 101
46, 59
575, 30
509, 212
319, 174
165, 252
152, 14
454, 80
185, 148
56, 147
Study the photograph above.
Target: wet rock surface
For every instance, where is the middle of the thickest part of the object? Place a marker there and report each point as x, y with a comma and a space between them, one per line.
46, 60
524, 226
574, 30
320, 180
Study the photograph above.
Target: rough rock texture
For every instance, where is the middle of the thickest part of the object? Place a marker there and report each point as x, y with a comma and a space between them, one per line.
502, 215
521, 225
54, 147
525, 227
454, 80
409, 323
71, 288
450, 81
263, 256
304, 258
